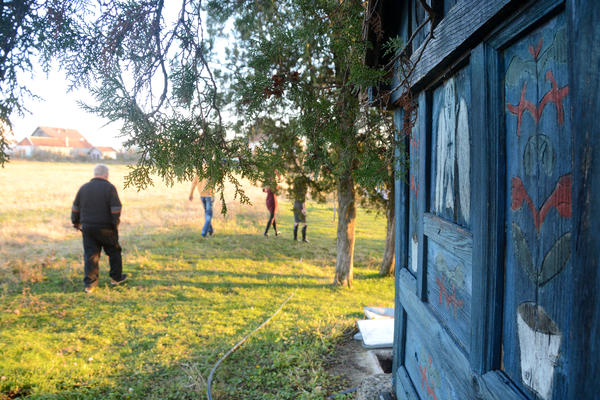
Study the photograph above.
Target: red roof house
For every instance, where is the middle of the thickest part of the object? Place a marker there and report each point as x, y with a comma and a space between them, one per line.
54, 140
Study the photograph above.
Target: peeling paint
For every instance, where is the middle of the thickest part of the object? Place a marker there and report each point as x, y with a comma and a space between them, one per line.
445, 150
455, 275
464, 160
414, 248
539, 342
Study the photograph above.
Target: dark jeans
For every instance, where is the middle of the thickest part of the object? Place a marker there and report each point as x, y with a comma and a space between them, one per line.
94, 240
271, 221
208, 213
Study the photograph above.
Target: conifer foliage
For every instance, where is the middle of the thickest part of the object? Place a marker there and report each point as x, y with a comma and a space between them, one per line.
300, 64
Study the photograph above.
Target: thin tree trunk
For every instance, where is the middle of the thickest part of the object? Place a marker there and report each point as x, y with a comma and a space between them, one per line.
345, 231
347, 111
387, 265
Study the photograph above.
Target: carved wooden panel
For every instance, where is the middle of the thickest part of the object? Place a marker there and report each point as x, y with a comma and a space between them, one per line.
449, 291
448, 241
451, 151
538, 210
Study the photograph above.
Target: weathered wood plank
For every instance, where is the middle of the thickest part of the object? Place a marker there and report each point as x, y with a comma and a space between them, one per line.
521, 21
399, 336
415, 188
497, 382
487, 197
583, 352
538, 210
451, 236
401, 248
460, 29
424, 165
405, 390
401, 199
449, 373
449, 292
418, 17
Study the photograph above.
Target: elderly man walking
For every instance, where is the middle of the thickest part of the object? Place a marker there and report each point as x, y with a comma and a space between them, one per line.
96, 212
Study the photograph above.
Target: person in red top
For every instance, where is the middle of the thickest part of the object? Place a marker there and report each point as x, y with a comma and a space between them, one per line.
272, 207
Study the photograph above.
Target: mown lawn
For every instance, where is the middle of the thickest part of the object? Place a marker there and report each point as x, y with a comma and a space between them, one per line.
188, 301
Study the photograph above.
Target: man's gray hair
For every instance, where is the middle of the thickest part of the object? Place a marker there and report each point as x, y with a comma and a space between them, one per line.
101, 170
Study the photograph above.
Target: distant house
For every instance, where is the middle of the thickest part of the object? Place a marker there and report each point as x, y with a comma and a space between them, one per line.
67, 142
108, 152
102, 152
95, 153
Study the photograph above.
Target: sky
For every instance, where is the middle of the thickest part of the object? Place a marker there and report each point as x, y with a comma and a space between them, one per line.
58, 108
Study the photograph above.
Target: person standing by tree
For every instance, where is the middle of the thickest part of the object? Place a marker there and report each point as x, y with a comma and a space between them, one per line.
96, 212
272, 207
299, 189
206, 195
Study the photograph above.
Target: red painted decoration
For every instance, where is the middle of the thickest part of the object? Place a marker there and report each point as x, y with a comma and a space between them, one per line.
554, 95
449, 298
560, 198
425, 381
414, 187
414, 142
520, 108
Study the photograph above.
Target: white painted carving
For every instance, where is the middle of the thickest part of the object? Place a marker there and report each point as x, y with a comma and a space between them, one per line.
463, 154
453, 145
414, 247
444, 177
539, 341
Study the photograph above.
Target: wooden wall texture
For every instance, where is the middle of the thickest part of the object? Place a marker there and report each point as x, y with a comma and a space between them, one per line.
497, 284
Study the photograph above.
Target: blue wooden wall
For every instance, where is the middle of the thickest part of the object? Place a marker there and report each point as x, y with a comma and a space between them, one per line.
492, 220
538, 209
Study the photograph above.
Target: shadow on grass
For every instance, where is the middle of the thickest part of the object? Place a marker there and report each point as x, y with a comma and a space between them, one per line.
180, 255
232, 285
253, 247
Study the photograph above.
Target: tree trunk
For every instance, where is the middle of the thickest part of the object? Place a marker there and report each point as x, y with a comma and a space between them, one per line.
387, 265
345, 231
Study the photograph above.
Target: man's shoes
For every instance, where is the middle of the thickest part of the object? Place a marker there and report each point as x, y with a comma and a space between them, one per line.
266, 234
305, 240
89, 289
123, 279
277, 233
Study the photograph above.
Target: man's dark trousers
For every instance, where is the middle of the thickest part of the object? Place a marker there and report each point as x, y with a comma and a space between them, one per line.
94, 239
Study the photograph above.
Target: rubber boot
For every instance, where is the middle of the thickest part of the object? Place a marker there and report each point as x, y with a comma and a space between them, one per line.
295, 232
304, 239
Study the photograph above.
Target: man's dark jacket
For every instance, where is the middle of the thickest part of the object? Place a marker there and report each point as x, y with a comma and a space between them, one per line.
97, 205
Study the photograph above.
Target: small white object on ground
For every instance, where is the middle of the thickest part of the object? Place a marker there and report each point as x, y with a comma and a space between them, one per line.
377, 333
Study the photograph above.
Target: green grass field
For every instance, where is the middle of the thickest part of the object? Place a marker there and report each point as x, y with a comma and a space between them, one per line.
188, 301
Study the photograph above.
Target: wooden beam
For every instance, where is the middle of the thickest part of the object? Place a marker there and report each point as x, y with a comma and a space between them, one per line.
451, 236
583, 351
487, 198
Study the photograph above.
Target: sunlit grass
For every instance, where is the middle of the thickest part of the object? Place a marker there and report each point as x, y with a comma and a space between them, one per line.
188, 301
